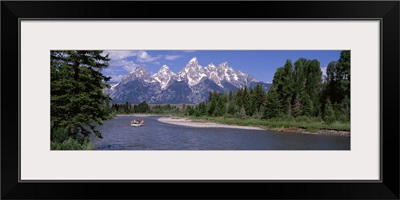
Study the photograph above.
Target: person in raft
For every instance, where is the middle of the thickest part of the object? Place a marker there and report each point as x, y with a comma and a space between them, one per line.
137, 121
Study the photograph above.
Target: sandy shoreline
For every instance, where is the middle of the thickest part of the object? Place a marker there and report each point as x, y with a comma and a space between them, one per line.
200, 124
191, 123
136, 115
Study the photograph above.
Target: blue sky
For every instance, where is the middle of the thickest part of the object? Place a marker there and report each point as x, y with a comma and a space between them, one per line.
261, 64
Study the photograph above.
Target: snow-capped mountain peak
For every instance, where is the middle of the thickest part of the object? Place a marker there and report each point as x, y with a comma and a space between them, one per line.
210, 67
192, 72
224, 66
164, 67
163, 76
193, 60
138, 73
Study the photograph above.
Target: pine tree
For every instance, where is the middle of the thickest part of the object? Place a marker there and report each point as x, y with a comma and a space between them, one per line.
273, 105
231, 108
343, 73
77, 98
242, 113
202, 109
260, 97
313, 84
220, 108
246, 101
307, 105
329, 116
212, 103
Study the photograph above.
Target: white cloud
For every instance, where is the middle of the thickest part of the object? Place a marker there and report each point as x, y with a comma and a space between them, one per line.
144, 57
116, 78
172, 57
128, 65
120, 55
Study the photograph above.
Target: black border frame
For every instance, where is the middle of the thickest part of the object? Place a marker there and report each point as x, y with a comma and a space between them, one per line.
387, 12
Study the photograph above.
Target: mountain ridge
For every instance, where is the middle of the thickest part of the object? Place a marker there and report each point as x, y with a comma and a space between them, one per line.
190, 85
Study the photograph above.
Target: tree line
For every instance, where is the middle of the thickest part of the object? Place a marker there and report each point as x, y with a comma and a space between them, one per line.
297, 90
127, 108
144, 107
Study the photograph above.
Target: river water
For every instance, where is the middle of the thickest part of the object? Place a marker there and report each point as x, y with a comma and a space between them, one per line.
154, 135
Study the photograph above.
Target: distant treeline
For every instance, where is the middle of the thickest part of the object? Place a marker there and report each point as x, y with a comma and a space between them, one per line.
144, 107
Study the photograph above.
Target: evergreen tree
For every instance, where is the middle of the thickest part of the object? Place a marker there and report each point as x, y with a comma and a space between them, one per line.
202, 109
260, 97
231, 108
273, 105
345, 107
242, 113
299, 79
313, 84
246, 101
239, 97
212, 103
307, 105
77, 98
145, 108
283, 83
343, 73
329, 116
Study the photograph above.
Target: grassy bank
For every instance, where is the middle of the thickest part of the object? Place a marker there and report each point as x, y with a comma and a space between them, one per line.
62, 140
72, 144
307, 124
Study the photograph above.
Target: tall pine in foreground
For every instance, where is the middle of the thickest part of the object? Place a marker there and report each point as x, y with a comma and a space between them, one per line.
77, 98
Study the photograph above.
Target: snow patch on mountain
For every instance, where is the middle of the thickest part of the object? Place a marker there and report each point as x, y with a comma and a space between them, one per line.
163, 76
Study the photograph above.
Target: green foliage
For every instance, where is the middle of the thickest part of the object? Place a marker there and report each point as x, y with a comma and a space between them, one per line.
141, 107
308, 123
273, 105
345, 108
241, 114
189, 110
343, 73
247, 102
61, 139
329, 115
77, 98
202, 109
307, 104
72, 144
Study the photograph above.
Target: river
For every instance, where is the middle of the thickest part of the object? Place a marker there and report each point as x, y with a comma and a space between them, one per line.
154, 135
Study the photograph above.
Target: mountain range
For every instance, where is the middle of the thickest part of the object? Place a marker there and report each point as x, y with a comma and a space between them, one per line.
190, 85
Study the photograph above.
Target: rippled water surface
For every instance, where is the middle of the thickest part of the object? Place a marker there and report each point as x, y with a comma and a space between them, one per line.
119, 135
